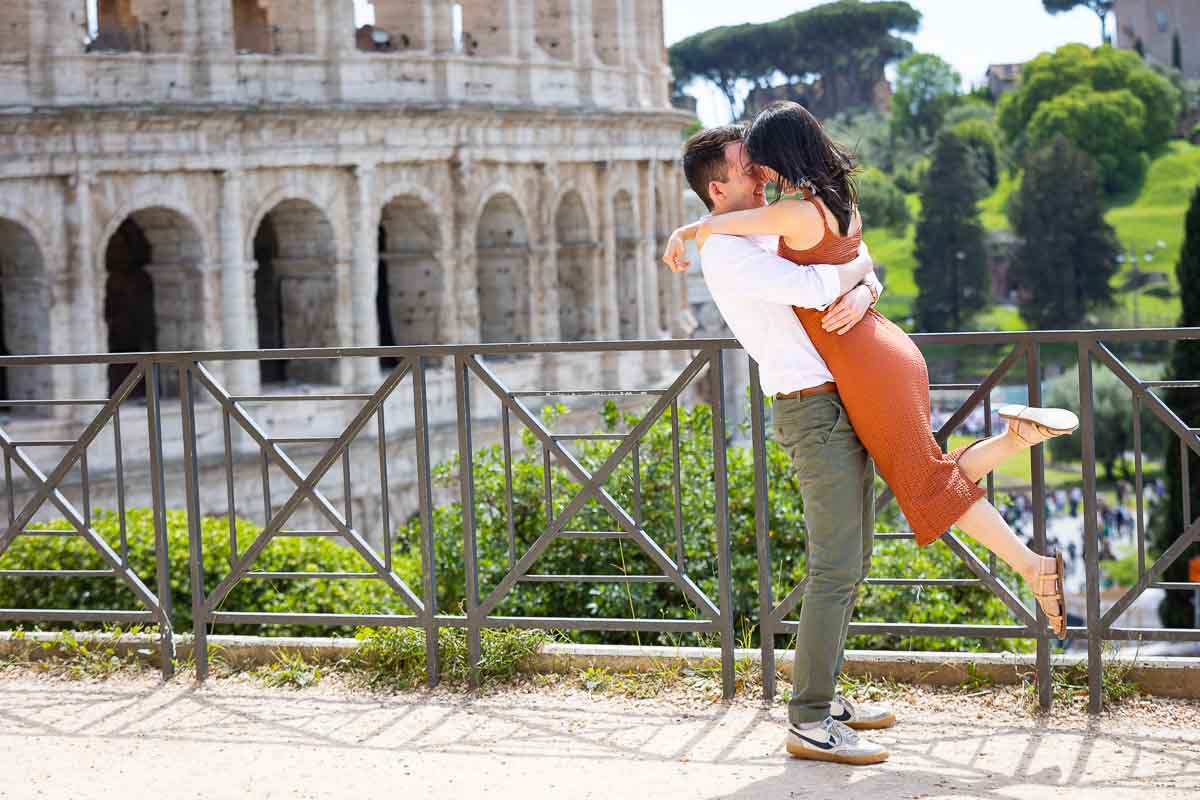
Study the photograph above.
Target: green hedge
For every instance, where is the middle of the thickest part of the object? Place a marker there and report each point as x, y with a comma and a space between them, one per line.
657, 600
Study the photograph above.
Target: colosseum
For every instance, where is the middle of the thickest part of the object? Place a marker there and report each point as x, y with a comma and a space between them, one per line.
242, 174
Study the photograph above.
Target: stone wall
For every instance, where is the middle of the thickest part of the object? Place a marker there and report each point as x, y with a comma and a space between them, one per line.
243, 175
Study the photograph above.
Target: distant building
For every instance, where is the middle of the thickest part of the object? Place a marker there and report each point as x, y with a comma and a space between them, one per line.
1002, 78
1157, 25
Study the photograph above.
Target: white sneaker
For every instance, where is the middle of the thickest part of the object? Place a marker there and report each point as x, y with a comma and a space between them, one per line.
832, 741
861, 717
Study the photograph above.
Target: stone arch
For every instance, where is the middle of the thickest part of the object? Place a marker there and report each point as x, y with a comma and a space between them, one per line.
412, 285
502, 262
577, 297
274, 27
398, 26
154, 262
148, 26
554, 33
296, 292
625, 228
24, 311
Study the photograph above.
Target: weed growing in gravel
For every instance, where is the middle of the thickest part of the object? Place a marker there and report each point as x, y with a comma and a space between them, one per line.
288, 671
1070, 684
394, 658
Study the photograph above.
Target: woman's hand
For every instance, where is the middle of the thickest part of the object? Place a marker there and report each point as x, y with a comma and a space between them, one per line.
844, 314
675, 256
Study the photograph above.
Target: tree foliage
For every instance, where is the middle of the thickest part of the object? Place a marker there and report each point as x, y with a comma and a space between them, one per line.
1108, 102
846, 43
881, 202
1175, 610
1101, 8
926, 88
951, 275
1068, 252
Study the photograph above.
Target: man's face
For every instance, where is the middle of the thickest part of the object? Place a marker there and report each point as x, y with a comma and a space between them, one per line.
745, 187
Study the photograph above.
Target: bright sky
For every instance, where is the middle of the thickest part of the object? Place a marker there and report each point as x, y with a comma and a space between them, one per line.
970, 34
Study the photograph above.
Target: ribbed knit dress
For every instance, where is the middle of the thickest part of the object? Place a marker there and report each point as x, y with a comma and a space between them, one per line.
884, 385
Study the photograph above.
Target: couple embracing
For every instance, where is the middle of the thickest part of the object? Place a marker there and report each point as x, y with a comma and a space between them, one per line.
796, 286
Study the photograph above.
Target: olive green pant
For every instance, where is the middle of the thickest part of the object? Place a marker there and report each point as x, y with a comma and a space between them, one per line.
837, 484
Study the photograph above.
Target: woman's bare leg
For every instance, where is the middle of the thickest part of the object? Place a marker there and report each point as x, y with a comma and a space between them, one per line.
987, 454
983, 523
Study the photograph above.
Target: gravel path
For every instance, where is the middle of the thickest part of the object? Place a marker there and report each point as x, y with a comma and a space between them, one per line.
133, 737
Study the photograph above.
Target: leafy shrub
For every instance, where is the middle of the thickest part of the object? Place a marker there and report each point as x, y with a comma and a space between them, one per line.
398, 653
882, 204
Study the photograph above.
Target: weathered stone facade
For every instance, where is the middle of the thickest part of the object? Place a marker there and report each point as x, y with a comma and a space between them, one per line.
235, 174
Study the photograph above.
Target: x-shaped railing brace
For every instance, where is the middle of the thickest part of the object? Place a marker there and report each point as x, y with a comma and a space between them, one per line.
306, 487
591, 486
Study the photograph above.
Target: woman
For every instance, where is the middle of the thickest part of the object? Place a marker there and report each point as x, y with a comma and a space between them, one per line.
881, 375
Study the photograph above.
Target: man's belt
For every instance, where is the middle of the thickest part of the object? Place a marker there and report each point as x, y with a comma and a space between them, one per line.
828, 387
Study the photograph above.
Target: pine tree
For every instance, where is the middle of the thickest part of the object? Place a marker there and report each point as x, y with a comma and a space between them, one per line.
1068, 252
1176, 608
952, 271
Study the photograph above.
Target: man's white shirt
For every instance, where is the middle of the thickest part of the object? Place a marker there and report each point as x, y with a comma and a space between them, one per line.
754, 289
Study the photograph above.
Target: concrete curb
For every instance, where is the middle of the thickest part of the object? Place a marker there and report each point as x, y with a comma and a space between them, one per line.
1162, 676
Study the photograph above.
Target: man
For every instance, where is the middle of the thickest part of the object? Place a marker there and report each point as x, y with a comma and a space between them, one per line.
755, 289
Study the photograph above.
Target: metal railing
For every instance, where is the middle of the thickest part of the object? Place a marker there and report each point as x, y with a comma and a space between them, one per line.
475, 368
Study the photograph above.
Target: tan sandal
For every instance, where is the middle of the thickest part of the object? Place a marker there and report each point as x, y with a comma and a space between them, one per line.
1057, 621
1033, 425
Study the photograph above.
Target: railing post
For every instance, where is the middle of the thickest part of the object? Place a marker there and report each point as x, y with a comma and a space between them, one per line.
721, 510
191, 477
425, 501
166, 650
1037, 472
466, 478
766, 627
1091, 544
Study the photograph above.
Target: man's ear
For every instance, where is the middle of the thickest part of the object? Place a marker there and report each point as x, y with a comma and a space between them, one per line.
716, 190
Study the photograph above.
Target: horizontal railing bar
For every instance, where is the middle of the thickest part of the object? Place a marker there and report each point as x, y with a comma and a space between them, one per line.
925, 581
74, 615
588, 624
353, 576
52, 532
594, 535
588, 436
1153, 634
57, 573
43, 442
585, 392
595, 578
1176, 586
363, 620
83, 401
627, 345
954, 386
295, 398
300, 439
889, 536
926, 629
1171, 384
301, 534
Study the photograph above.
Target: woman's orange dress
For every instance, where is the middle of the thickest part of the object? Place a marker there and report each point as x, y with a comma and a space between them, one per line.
884, 385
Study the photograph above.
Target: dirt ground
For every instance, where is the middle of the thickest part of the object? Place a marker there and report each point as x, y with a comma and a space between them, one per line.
132, 736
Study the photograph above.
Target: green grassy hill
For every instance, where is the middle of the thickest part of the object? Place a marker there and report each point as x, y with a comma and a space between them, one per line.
1155, 214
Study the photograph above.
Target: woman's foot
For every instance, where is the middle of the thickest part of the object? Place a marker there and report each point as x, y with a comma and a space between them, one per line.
1047, 585
1032, 425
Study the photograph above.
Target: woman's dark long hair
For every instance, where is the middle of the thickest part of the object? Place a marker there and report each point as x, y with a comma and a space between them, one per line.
789, 140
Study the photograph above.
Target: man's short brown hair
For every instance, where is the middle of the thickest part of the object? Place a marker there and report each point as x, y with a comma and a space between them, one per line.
704, 158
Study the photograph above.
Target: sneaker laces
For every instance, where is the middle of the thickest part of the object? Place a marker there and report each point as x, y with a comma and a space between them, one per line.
844, 733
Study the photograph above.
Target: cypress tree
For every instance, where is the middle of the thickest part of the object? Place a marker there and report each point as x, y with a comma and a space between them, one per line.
1068, 252
952, 271
1176, 609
